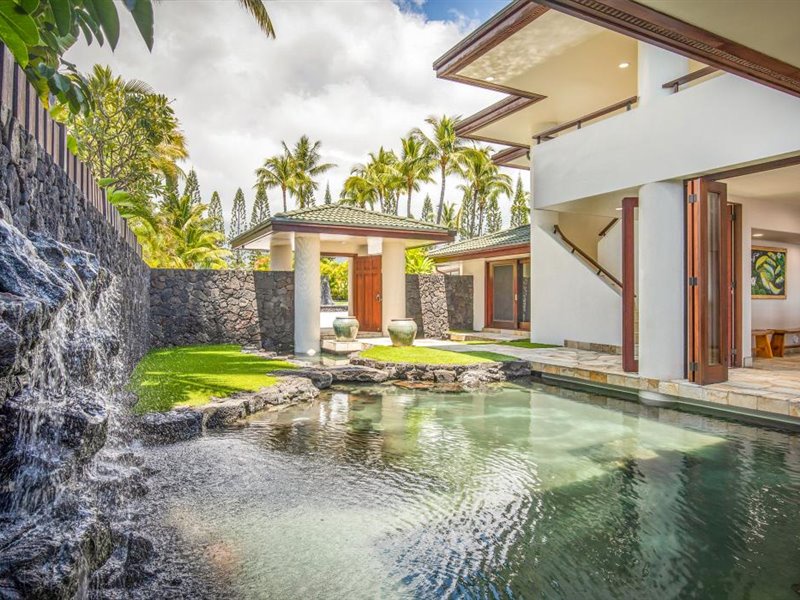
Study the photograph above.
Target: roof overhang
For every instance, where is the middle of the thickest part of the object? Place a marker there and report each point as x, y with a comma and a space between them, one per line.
511, 250
515, 158
259, 237
756, 40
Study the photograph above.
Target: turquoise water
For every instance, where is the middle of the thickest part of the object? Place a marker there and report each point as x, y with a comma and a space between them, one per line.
528, 492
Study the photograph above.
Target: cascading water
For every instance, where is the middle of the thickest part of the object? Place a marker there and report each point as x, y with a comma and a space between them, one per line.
61, 373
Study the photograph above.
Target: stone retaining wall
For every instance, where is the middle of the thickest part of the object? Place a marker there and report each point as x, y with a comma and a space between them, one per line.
222, 307
439, 303
38, 198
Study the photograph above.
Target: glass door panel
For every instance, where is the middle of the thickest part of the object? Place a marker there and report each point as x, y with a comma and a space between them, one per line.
502, 300
524, 294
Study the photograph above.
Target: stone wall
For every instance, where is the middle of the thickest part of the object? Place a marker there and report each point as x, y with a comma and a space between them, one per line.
222, 307
40, 201
439, 303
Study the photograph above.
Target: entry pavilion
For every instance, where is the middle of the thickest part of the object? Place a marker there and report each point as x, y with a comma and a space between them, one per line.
375, 244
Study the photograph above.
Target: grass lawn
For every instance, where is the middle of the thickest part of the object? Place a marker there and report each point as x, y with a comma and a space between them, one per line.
417, 355
526, 344
190, 375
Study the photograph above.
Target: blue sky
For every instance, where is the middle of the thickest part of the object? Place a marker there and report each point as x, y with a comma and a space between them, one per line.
476, 11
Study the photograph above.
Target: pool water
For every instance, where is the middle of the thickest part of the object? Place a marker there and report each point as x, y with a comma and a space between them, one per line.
524, 492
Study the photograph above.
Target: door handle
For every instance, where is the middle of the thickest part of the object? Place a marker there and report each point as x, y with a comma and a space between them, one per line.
378, 297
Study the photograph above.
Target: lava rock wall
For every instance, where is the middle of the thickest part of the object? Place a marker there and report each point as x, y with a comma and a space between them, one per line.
222, 307
439, 303
37, 198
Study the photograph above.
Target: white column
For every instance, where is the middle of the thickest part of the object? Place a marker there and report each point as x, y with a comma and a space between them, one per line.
306, 294
661, 289
280, 253
350, 284
477, 269
393, 281
656, 67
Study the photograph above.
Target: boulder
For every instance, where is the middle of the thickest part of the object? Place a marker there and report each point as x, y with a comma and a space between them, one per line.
321, 378
357, 374
444, 376
173, 426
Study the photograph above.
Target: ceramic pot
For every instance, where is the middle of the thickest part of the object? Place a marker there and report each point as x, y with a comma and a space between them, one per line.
345, 328
402, 332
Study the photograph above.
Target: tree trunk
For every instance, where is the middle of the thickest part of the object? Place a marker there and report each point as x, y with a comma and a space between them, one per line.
441, 197
283, 189
472, 213
480, 222
408, 211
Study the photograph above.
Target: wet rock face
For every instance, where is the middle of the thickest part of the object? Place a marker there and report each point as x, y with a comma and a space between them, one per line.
466, 376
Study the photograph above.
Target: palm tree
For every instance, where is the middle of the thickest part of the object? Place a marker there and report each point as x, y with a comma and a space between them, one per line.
415, 166
484, 181
444, 147
189, 234
259, 12
309, 165
279, 171
451, 216
376, 181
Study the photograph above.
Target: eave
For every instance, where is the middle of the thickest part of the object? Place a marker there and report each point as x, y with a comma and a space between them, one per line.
505, 158
484, 253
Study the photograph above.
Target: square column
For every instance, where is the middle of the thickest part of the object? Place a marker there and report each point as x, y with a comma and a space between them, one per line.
393, 282
306, 294
661, 290
656, 67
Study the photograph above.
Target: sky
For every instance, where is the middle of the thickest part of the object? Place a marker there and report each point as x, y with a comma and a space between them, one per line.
354, 74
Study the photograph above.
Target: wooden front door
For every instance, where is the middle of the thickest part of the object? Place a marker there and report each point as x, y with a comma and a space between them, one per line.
709, 281
367, 292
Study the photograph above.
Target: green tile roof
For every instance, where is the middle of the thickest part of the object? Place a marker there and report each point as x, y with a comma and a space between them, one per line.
338, 215
492, 241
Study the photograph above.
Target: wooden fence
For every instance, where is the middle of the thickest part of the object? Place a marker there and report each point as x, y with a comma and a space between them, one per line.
21, 99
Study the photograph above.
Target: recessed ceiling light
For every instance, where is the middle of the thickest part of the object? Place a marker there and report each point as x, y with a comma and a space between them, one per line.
758, 235
624, 65
618, 208
490, 78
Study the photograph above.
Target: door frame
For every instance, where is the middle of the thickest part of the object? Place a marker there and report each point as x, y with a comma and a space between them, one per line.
630, 363
489, 295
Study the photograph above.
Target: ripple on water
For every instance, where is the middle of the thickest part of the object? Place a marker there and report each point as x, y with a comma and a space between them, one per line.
531, 492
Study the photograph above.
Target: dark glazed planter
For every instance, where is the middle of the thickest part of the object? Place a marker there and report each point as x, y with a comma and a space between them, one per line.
345, 328
402, 332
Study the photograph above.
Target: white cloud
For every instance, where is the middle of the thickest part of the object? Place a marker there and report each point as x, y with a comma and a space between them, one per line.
355, 75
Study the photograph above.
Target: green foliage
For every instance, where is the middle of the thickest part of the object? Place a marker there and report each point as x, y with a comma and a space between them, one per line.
484, 183
262, 263
192, 188
377, 181
415, 166
279, 171
520, 206
328, 199
494, 219
444, 147
420, 355
337, 274
39, 32
418, 262
132, 136
192, 375
427, 210
238, 225
215, 214
260, 211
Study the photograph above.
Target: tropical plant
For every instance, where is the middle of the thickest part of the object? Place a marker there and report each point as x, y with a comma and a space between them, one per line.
418, 262
337, 273
415, 166
444, 147
427, 210
494, 219
189, 235
132, 136
520, 206
328, 199
376, 181
484, 181
39, 32
192, 187
308, 164
279, 171
452, 216
238, 225
260, 211
215, 214
262, 263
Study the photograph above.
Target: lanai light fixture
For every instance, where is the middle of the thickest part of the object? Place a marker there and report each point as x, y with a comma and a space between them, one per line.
624, 65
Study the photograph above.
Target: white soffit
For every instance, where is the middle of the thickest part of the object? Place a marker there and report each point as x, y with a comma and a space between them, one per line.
769, 26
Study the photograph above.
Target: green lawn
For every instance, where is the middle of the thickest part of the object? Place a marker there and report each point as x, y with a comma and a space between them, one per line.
526, 344
417, 355
190, 375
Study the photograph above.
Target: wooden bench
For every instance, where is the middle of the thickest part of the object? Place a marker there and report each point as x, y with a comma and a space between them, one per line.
771, 343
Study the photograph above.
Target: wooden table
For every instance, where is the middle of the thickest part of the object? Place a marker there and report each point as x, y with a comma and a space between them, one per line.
772, 342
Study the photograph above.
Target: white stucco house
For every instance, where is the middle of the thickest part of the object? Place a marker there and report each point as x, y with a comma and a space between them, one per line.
663, 142
374, 244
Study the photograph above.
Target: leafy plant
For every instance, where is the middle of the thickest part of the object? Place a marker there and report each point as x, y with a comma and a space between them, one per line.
418, 262
337, 274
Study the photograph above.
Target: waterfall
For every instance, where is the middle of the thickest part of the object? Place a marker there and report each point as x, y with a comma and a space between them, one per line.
61, 415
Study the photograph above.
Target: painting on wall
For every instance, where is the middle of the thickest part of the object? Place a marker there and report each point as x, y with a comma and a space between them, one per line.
768, 272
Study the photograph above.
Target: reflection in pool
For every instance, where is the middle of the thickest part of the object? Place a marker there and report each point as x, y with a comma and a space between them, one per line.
518, 493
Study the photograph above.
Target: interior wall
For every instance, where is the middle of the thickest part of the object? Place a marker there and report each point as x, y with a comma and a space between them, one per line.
583, 230
764, 314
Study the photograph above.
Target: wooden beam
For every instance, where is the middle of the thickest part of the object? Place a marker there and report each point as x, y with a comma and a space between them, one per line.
507, 106
759, 168
487, 253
